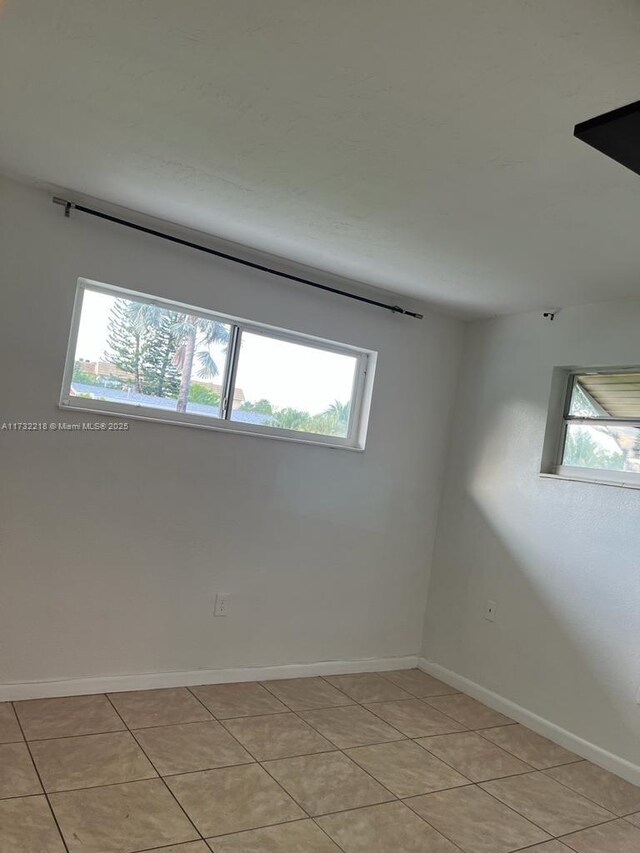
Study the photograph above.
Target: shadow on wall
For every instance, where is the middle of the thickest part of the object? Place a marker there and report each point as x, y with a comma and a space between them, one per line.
563, 645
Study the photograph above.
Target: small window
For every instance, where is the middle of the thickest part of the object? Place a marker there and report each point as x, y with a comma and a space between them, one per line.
140, 356
600, 439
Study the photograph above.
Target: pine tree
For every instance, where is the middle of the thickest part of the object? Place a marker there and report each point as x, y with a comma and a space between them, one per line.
124, 343
160, 376
147, 352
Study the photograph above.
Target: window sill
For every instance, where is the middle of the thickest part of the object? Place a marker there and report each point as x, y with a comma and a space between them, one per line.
594, 481
140, 413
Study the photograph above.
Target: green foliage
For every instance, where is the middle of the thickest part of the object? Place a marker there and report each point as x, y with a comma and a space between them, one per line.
158, 347
263, 407
339, 414
160, 376
583, 451
124, 341
84, 378
333, 421
189, 331
202, 394
291, 419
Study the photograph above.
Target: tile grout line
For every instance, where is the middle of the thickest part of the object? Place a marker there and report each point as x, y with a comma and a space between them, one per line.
69, 737
348, 757
170, 846
315, 822
337, 749
347, 704
444, 834
412, 740
554, 837
560, 838
375, 805
420, 817
24, 796
356, 703
288, 709
404, 738
44, 791
350, 702
578, 793
453, 768
473, 782
156, 770
253, 760
326, 834
533, 769
305, 817
424, 702
577, 759
258, 763
524, 817
331, 745
460, 722
374, 701
412, 737
355, 746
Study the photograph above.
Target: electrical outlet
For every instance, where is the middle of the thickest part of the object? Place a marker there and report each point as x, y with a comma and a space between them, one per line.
490, 611
222, 604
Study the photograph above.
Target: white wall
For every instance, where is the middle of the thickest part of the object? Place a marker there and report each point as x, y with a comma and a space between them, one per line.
114, 544
561, 559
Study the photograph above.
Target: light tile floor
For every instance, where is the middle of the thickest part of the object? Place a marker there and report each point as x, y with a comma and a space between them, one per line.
395, 762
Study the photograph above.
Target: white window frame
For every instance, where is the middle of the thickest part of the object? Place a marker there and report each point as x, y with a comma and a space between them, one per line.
559, 419
360, 396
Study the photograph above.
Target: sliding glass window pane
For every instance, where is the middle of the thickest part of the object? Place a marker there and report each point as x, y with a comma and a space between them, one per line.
133, 353
292, 386
612, 448
606, 395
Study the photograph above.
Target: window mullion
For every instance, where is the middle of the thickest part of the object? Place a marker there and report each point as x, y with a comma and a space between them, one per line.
230, 376
583, 421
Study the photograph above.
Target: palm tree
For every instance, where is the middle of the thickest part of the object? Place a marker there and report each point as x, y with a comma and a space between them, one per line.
188, 330
339, 413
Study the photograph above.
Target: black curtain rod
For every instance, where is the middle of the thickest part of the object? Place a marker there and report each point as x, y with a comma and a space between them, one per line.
72, 205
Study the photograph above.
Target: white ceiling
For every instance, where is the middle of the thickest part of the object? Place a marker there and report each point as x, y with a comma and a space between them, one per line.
422, 146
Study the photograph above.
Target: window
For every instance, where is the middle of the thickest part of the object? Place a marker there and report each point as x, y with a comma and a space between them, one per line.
599, 439
139, 356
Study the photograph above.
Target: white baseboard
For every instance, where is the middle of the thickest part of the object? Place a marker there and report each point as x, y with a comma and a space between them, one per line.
615, 763
188, 678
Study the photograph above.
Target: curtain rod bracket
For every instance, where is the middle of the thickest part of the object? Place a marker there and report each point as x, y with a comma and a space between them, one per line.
68, 205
